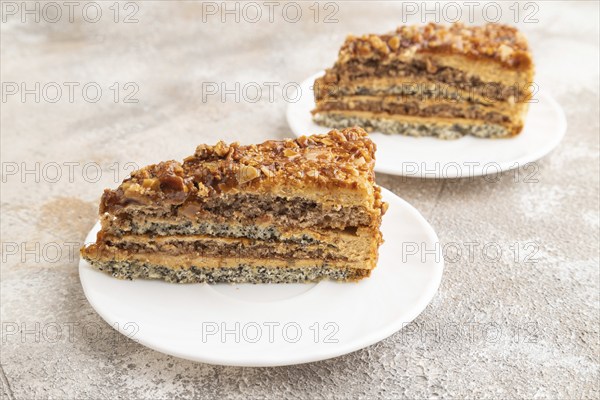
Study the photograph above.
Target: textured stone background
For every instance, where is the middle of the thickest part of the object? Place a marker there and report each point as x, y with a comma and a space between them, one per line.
547, 312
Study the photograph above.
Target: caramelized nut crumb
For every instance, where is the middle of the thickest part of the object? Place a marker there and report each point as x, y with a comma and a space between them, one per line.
221, 148
247, 173
500, 42
290, 153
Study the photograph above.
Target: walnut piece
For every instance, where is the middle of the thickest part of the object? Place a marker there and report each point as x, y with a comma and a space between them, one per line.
247, 173
290, 153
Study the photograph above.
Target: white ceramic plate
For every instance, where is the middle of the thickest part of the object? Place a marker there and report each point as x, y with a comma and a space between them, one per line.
465, 157
271, 325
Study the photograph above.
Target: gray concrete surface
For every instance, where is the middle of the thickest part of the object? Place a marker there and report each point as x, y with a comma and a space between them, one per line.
511, 328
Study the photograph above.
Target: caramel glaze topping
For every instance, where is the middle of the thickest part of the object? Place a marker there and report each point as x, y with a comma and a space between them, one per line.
502, 43
340, 159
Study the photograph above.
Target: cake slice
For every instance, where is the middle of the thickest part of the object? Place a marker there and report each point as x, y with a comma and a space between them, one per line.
432, 80
281, 211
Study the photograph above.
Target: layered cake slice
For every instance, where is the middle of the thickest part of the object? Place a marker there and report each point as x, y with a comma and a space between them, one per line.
281, 211
430, 80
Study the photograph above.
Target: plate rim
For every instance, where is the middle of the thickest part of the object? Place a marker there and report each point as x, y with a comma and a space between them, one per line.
543, 95
426, 297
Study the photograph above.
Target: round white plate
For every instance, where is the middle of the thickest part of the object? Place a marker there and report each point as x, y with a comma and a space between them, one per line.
468, 156
271, 325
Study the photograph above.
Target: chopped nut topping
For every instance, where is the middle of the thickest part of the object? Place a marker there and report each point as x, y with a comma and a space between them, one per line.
360, 161
151, 183
502, 43
132, 190
394, 42
342, 158
384, 208
221, 148
379, 44
248, 173
505, 52
268, 173
290, 153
